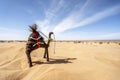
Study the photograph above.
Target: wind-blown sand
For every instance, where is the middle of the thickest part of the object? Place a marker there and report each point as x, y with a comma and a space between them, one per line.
72, 61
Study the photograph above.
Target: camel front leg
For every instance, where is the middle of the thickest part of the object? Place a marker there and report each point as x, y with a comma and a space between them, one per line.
46, 54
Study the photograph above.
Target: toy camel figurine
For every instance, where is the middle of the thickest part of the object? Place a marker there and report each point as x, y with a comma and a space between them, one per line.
36, 41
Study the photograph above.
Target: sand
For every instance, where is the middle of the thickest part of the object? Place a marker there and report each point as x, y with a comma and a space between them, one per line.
72, 61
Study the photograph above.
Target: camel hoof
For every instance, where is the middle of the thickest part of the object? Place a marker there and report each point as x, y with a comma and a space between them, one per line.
30, 65
47, 59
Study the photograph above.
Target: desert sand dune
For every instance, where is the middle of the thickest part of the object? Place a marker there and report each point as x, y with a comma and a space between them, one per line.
72, 61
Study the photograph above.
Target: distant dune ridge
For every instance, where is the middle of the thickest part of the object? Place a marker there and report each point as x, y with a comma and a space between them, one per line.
73, 60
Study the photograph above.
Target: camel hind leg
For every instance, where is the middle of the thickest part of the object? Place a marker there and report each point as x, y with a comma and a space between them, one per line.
29, 58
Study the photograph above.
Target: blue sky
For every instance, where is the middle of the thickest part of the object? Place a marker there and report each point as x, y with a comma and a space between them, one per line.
68, 19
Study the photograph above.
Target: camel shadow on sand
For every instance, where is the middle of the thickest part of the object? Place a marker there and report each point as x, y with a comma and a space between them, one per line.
56, 61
